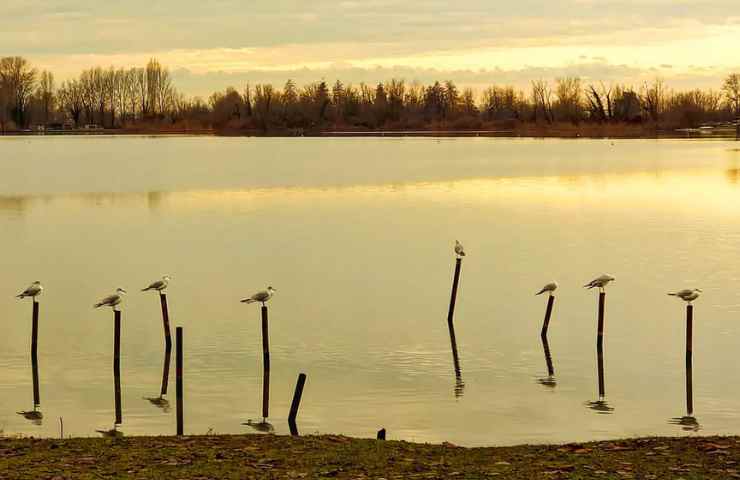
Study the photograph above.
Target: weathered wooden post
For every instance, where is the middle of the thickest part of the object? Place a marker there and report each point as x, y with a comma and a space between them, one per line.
178, 381
34, 353
689, 353
548, 357
167, 342
600, 368
453, 296
117, 364
265, 365
548, 313
165, 321
381, 434
600, 330
296, 403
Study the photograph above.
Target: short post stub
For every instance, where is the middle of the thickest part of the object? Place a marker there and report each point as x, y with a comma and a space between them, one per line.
297, 395
381, 434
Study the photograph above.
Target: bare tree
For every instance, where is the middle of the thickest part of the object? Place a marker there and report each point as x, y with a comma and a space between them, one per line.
542, 100
731, 89
18, 79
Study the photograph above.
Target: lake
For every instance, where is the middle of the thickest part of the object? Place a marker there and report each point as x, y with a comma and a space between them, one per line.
356, 235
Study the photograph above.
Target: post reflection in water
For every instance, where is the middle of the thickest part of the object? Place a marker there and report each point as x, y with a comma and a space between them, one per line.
688, 422
459, 384
161, 400
549, 380
600, 406
35, 415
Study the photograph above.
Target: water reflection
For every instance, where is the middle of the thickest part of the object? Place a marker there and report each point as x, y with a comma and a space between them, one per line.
549, 380
263, 426
600, 406
459, 384
161, 400
688, 422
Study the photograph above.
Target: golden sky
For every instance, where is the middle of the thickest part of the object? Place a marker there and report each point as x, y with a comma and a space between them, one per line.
210, 44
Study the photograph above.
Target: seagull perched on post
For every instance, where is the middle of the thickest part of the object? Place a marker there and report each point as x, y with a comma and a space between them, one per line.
459, 250
687, 295
600, 282
159, 285
549, 288
112, 300
261, 297
33, 291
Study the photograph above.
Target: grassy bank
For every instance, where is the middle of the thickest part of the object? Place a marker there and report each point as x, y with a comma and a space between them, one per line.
278, 457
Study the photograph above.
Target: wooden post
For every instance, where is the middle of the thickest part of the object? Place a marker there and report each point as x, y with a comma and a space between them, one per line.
165, 321
117, 364
166, 371
689, 352
548, 312
548, 357
600, 361
34, 354
600, 332
381, 434
296, 403
453, 296
178, 380
265, 365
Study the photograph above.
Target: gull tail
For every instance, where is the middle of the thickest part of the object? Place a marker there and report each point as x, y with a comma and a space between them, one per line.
248, 300
20, 296
97, 305
540, 292
673, 294
146, 289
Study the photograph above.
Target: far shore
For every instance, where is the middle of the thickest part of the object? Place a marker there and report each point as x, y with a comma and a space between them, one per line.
331, 456
526, 130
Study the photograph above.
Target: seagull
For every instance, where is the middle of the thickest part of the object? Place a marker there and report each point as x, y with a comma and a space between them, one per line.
688, 295
600, 282
459, 250
550, 288
33, 290
159, 285
112, 300
261, 297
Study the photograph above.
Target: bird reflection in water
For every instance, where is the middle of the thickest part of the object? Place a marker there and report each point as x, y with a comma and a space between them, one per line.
35, 415
112, 433
263, 426
159, 402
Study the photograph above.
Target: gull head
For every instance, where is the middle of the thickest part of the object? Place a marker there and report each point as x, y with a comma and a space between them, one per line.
36, 282
121, 291
270, 289
166, 278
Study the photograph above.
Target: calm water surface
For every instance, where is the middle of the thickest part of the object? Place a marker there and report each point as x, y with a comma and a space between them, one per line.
357, 235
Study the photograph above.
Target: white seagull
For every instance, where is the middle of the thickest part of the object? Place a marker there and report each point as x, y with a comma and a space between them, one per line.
550, 288
261, 297
600, 282
33, 290
112, 300
159, 285
688, 295
459, 250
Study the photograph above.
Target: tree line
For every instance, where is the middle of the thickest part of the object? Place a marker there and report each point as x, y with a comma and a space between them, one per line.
146, 96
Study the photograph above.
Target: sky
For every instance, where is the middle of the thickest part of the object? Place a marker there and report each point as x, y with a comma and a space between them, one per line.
211, 44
